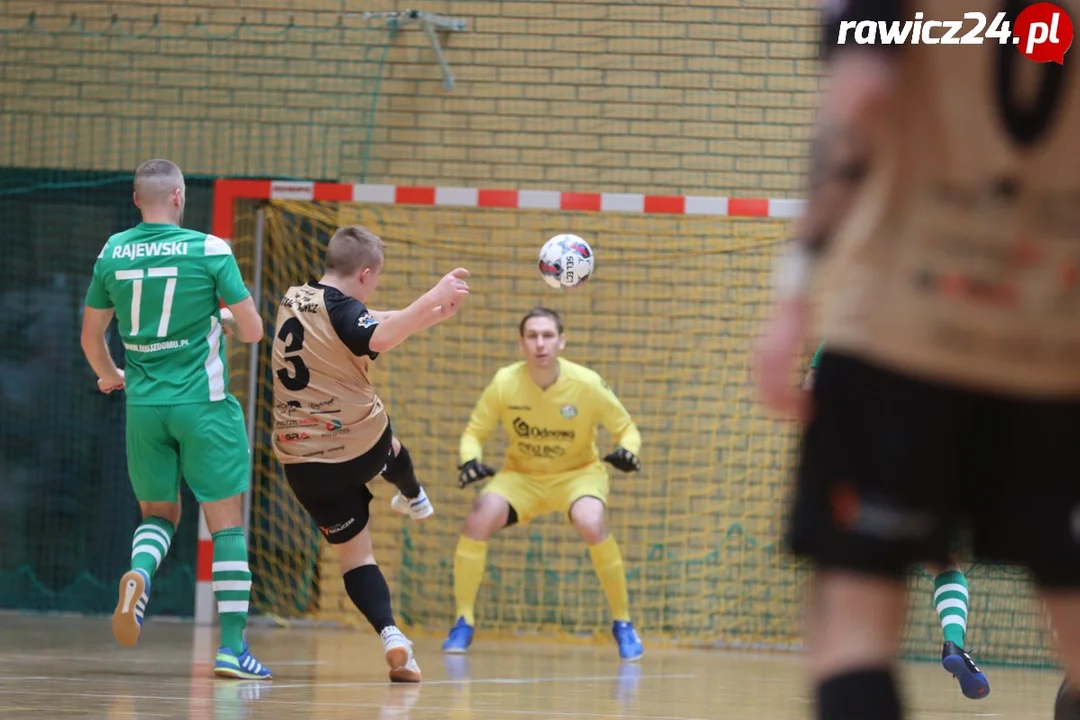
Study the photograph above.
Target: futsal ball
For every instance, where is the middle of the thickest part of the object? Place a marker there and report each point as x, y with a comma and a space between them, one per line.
566, 261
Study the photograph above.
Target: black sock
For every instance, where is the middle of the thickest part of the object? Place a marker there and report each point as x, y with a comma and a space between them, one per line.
399, 472
370, 594
859, 695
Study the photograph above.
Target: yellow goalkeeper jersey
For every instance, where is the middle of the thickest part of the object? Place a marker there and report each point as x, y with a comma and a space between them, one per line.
550, 431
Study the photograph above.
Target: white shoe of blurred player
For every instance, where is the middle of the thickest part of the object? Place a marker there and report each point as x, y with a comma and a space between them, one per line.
418, 508
399, 656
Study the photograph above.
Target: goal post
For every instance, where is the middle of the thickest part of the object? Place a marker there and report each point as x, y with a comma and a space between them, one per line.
668, 319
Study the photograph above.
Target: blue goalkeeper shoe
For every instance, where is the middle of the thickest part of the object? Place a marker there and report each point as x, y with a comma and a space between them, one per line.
460, 637
127, 619
973, 683
240, 667
630, 647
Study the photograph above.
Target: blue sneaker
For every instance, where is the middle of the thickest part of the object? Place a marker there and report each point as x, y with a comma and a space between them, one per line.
460, 637
973, 683
127, 619
240, 667
630, 647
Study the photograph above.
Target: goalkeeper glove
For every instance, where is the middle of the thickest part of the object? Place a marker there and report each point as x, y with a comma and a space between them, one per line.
624, 460
472, 471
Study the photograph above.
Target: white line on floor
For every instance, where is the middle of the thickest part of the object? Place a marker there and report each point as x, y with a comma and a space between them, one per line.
353, 705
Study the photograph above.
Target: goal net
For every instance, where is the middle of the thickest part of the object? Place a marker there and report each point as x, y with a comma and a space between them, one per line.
668, 320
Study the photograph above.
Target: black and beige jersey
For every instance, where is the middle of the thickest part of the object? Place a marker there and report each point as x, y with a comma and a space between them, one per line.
325, 408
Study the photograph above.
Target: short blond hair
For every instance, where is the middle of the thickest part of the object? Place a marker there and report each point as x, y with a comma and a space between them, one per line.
352, 249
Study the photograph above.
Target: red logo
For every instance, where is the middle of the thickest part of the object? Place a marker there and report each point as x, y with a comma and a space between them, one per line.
845, 504
1043, 32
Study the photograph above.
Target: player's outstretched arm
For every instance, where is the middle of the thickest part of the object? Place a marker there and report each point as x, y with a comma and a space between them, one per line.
396, 327
95, 323
617, 421
442, 312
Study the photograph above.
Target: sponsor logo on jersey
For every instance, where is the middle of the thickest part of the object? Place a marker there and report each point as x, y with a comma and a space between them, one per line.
297, 423
320, 453
538, 450
568, 411
139, 250
318, 408
523, 429
519, 407
334, 429
366, 321
155, 347
288, 406
292, 437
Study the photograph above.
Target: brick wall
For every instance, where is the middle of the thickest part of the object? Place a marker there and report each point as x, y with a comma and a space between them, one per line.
708, 96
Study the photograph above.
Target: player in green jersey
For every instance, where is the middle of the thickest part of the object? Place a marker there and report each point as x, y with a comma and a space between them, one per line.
950, 599
165, 286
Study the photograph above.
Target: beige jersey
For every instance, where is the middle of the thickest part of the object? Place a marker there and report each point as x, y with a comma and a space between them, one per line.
960, 259
325, 408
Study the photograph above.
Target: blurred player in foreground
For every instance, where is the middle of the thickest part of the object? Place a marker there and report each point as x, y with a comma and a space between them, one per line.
549, 408
331, 430
944, 190
950, 599
165, 284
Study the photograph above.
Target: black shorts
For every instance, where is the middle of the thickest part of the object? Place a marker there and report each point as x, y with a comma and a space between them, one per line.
336, 494
894, 469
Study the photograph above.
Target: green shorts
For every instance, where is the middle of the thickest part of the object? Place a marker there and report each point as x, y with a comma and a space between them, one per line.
206, 443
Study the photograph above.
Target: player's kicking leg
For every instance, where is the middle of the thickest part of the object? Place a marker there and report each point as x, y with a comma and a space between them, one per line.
490, 513
367, 588
587, 515
411, 499
337, 497
951, 602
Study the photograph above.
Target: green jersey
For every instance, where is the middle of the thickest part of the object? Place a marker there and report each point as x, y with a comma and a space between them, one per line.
166, 284
816, 360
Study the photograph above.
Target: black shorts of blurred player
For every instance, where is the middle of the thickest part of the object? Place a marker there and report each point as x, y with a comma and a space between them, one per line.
893, 467
337, 497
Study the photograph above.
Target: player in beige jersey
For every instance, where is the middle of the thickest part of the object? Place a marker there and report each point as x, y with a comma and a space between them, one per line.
945, 202
331, 431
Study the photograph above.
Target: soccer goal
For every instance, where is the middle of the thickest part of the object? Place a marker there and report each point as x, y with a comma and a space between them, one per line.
668, 320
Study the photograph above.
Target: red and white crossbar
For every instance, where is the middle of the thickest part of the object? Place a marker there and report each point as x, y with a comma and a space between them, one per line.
227, 191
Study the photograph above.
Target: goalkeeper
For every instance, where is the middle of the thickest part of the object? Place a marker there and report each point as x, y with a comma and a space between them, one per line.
550, 408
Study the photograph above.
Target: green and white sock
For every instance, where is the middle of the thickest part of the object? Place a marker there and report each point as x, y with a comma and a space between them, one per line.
150, 544
232, 586
951, 602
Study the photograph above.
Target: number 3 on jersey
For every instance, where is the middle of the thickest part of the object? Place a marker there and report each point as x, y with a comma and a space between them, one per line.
292, 334
136, 276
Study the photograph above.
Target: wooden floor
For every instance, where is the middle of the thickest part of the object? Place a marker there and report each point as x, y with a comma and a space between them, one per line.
71, 668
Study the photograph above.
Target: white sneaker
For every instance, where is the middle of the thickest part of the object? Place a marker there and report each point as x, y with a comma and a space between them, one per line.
399, 656
418, 508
